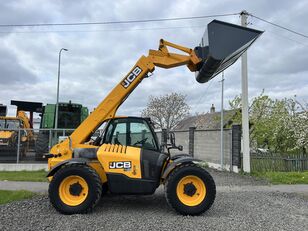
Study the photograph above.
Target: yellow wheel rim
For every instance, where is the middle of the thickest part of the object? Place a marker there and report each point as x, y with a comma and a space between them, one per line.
191, 190
73, 190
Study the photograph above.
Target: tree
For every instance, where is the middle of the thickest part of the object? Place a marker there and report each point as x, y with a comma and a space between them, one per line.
166, 111
279, 125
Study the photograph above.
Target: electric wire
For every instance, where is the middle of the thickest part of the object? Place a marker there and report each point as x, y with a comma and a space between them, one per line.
202, 96
279, 26
117, 22
103, 30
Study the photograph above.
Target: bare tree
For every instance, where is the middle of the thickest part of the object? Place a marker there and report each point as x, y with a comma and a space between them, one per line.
166, 111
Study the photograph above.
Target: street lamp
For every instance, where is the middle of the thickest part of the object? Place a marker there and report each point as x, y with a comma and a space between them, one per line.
57, 105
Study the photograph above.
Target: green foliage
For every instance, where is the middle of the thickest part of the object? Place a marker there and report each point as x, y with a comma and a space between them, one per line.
7, 196
284, 177
37, 176
203, 164
278, 125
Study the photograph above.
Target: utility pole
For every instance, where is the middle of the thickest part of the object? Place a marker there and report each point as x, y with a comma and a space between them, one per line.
222, 123
245, 115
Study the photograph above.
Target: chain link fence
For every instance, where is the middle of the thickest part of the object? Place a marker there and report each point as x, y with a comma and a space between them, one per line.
29, 145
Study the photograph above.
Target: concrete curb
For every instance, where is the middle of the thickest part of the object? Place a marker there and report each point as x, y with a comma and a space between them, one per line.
23, 167
39, 187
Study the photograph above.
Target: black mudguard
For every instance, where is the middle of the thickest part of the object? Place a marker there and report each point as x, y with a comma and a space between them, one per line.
178, 160
66, 162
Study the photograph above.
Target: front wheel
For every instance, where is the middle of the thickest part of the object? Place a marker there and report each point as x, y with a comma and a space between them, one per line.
190, 189
75, 189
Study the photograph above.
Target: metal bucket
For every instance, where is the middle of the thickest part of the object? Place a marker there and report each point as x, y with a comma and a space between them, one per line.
221, 45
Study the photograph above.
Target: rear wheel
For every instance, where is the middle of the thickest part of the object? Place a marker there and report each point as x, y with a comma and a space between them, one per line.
75, 189
190, 190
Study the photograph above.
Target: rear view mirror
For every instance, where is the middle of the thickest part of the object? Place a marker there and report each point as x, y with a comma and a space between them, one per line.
180, 147
172, 138
221, 45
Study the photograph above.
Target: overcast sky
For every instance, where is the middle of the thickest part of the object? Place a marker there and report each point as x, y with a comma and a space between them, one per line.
100, 56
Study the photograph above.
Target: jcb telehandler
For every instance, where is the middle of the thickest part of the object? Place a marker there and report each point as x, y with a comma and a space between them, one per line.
127, 158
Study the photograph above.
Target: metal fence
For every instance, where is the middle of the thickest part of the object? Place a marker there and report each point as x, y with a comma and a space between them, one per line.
28, 145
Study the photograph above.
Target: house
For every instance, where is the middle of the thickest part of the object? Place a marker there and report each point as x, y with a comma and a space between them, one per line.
210, 120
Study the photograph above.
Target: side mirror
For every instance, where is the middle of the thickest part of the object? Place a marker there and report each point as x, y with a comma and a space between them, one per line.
172, 138
180, 147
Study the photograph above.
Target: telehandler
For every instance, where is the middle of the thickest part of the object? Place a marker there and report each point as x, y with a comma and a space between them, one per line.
127, 158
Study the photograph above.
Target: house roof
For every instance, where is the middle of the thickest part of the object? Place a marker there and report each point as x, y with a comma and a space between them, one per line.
209, 120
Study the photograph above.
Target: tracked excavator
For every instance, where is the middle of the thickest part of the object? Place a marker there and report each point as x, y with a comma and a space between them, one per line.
127, 158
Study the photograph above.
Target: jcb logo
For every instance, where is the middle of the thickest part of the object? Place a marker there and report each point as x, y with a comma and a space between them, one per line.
131, 77
120, 165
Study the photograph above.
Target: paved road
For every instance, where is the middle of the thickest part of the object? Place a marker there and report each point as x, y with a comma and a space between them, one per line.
237, 207
42, 187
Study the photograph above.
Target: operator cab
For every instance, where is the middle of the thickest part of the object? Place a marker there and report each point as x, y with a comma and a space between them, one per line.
130, 131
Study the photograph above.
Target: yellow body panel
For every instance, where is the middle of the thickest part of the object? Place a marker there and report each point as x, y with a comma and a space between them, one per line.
6, 134
109, 153
100, 171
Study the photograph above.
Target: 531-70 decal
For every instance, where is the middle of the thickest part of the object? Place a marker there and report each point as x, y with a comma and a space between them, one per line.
131, 77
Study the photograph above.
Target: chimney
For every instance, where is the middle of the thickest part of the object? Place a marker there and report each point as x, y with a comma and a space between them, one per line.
212, 109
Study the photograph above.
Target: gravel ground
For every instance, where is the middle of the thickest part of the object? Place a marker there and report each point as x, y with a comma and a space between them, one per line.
231, 211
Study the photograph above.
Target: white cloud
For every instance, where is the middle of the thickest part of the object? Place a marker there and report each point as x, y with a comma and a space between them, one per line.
98, 60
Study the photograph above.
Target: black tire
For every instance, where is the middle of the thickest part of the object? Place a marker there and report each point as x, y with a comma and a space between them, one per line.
94, 189
171, 189
41, 145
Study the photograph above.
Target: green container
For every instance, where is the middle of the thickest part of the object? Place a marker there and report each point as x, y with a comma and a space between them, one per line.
70, 115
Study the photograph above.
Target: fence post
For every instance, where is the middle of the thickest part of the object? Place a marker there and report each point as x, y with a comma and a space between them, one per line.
191, 141
49, 141
231, 148
163, 138
236, 145
18, 146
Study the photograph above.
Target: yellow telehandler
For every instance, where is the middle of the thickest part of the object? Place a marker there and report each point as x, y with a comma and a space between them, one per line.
127, 158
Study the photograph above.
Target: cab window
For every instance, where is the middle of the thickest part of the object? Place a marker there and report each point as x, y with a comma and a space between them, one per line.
141, 135
119, 134
130, 132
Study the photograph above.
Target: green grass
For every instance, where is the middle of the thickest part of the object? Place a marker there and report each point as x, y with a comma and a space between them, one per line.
37, 176
7, 196
284, 177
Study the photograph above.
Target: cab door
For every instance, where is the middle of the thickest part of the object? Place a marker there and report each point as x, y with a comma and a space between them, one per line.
136, 134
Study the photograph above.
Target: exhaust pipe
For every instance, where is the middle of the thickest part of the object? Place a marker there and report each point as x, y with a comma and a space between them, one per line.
221, 45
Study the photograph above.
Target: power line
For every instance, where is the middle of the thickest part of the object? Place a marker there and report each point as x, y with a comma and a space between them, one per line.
116, 22
102, 30
202, 96
281, 27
